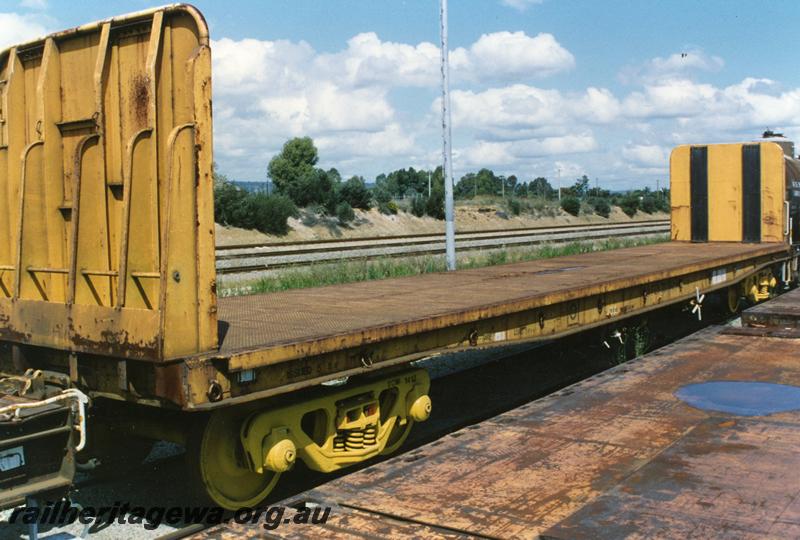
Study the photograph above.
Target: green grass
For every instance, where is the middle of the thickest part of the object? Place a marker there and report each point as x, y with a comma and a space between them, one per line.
371, 269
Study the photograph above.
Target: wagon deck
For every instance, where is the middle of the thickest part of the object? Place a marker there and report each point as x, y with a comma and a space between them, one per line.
339, 316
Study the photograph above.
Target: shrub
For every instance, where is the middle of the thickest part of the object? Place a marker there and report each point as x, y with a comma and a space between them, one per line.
268, 213
514, 206
571, 205
237, 207
317, 209
345, 213
630, 204
331, 203
418, 205
310, 187
434, 206
389, 208
601, 207
649, 204
228, 202
382, 195
663, 203
356, 194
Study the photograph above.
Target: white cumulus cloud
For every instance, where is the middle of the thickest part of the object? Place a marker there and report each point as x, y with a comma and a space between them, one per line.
519, 110
368, 60
506, 55
19, 29
509, 153
751, 104
676, 65
251, 66
646, 155
500, 55
268, 91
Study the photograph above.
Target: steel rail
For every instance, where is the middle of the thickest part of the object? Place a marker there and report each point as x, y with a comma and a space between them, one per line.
437, 236
304, 247
263, 261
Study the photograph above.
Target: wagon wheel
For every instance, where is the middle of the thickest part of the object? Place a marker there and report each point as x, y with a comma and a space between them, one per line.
734, 298
218, 467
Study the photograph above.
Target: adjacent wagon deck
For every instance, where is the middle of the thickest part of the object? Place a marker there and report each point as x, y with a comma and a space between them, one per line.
617, 453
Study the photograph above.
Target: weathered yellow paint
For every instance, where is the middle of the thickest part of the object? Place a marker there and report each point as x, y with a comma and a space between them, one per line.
382, 404
759, 286
679, 194
555, 317
773, 193
332, 431
105, 176
725, 193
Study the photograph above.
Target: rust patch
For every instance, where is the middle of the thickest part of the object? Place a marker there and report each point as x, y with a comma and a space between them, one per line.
169, 383
140, 98
116, 343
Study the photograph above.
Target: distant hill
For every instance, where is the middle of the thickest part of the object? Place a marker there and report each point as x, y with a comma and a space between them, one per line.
254, 187
267, 187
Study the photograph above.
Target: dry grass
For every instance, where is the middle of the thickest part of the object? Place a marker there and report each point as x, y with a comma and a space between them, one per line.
371, 269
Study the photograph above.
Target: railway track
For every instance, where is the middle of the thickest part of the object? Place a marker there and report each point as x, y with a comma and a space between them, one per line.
245, 258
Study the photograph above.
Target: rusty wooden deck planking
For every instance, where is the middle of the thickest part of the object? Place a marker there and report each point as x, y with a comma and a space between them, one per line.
275, 319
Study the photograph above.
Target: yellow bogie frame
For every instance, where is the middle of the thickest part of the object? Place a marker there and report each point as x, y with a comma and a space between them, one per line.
242, 454
754, 288
339, 430
759, 286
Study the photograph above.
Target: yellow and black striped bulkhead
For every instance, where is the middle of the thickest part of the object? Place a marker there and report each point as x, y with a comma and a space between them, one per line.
728, 192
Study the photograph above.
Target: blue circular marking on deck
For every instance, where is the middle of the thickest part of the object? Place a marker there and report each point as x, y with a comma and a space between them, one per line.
743, 398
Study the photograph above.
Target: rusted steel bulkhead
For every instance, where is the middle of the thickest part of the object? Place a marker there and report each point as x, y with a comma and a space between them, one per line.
107, 247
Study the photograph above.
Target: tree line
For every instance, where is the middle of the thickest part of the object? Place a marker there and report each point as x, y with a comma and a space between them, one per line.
299, 183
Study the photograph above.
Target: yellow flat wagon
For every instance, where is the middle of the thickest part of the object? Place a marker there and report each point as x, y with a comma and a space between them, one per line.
107, 276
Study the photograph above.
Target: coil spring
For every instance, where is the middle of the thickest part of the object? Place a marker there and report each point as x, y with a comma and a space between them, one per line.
355, 439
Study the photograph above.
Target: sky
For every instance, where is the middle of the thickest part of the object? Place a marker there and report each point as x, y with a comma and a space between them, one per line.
554, 88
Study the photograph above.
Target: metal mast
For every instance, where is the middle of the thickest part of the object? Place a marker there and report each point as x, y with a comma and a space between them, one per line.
450, 230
